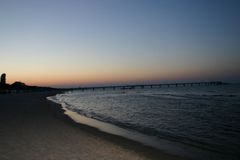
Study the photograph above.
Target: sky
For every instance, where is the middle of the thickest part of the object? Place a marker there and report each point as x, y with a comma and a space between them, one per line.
67, 43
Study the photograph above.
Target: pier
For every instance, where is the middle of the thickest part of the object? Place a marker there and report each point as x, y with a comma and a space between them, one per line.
142, 86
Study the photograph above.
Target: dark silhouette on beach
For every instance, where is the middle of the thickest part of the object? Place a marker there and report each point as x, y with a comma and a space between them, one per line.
3, 80
19, 87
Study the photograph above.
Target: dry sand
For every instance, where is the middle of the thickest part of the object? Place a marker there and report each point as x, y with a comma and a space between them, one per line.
32, 128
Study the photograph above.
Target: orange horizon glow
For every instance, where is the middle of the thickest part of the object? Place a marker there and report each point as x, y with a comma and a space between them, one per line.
57, 79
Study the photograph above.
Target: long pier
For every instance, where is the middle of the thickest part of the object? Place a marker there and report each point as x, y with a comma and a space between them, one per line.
142, 86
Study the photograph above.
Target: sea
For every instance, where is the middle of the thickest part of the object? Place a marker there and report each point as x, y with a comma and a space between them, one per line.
198, 122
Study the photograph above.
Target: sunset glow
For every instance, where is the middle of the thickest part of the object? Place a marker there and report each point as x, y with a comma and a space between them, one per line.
78, 43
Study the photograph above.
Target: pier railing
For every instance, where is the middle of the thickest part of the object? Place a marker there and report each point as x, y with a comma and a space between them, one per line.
123, 87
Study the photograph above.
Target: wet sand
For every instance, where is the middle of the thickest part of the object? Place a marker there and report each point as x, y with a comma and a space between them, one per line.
33, 128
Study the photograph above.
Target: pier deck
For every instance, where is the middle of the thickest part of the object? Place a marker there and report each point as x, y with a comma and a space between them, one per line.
151, 85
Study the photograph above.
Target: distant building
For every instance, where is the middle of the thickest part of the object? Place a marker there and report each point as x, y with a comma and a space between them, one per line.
3, 80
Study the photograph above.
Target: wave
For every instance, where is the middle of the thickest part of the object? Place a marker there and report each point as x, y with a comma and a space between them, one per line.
181, 117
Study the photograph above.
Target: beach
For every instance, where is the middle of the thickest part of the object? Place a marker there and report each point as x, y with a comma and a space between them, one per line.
32, 127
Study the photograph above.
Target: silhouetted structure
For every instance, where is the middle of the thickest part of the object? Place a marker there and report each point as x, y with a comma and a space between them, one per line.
3, 80
123, 87
19, 87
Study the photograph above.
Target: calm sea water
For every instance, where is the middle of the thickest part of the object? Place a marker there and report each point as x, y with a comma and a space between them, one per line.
204, 117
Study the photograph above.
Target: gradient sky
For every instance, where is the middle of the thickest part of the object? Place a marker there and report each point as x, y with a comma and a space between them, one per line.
87, 42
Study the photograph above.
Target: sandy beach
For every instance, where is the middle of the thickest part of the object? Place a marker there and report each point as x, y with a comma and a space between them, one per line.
34, 128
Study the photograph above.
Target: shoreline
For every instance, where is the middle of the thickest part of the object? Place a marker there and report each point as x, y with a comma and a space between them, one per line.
145, 150
142, 142
31, 127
